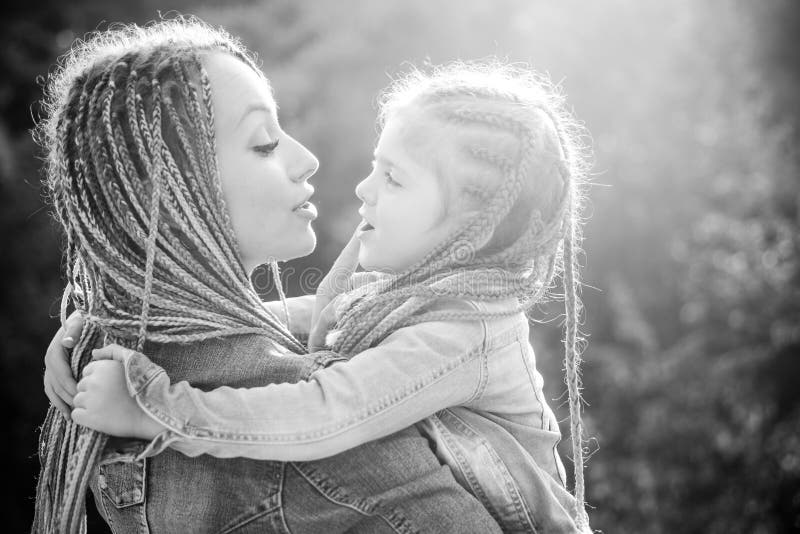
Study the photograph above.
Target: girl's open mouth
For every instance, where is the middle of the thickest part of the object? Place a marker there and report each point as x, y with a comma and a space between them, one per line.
366, 227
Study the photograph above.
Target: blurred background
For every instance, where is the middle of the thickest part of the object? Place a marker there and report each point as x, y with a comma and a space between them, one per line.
691, 252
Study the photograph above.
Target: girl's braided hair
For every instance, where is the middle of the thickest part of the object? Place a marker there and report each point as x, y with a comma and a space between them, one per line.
150, 251
500, 137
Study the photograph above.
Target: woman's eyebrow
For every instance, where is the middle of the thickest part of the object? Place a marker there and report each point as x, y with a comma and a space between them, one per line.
252, 108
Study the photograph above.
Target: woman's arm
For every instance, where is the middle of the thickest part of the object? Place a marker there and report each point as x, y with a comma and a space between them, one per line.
415, 372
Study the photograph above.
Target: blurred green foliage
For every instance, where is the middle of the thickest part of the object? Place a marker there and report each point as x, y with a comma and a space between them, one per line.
691, 253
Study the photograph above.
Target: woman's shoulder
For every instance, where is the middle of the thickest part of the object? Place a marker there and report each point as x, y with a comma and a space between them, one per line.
241, 342
218, 351
239, 360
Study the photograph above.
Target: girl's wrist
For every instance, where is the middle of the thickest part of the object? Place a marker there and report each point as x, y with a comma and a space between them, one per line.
147, 427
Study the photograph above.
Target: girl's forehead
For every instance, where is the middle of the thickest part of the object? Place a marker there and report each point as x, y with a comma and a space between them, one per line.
392, 147
412, 138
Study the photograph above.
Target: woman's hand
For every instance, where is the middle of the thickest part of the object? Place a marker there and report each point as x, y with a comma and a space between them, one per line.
334, 283
59, 384
103, 403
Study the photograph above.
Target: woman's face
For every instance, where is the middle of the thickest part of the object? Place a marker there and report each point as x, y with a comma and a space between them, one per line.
263, 170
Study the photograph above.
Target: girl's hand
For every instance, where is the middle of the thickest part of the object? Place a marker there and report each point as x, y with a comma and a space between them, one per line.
326, 320
334, 283
59, 384
104, 404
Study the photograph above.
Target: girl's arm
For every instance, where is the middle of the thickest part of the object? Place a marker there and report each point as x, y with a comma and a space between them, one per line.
415, 372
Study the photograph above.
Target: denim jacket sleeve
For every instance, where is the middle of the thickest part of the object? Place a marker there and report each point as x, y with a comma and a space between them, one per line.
413, 373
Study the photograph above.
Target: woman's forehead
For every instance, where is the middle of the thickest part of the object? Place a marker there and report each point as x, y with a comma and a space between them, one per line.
237, 90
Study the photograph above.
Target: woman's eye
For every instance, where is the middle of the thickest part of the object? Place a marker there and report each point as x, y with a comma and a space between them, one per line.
267, 149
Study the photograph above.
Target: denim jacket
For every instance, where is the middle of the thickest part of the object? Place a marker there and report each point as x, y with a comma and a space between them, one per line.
392, 485
471, 387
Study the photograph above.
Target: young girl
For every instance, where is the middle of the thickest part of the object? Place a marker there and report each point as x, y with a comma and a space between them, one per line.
471, 209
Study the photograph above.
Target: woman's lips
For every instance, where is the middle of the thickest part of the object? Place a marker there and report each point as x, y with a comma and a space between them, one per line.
306, 210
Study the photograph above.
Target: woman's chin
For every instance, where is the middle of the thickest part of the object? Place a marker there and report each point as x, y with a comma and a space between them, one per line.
292, 246
304, 245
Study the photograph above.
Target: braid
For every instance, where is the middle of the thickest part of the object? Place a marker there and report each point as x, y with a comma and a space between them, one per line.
150, 251
276, 275
153, 220
525, 232
572, 364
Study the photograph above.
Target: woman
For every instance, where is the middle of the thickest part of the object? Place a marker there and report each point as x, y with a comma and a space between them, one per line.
173, 180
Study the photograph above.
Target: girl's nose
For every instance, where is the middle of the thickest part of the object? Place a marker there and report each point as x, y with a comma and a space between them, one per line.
365, 192
303, 163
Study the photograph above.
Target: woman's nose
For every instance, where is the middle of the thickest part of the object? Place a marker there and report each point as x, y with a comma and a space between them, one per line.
303, 163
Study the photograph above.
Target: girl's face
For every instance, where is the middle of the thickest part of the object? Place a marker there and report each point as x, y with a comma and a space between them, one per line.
403, 207
263, 170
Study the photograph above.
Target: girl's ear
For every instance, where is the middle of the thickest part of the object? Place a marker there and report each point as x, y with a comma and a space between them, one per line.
463, 216
467, 213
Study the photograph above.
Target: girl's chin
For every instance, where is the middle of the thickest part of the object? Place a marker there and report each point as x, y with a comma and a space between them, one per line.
370, 264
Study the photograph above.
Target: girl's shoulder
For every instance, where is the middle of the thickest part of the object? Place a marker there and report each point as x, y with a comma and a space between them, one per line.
489, 310
500, 322
465, 313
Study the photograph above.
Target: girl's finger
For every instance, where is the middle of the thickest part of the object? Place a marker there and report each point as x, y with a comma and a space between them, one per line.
326, 320
83, 385
336, 280
78, 416
79, 401
348, 257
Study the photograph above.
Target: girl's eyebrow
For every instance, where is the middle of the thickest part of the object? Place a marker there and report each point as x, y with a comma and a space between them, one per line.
385, 161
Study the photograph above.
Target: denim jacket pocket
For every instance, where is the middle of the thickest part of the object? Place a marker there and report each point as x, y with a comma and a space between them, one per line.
122, 482
121, 477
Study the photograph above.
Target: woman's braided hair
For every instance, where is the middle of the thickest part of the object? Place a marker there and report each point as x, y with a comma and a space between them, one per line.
150, 251
502, 139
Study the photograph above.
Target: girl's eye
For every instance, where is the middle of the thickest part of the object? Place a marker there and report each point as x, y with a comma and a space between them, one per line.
389, 180
267, 149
